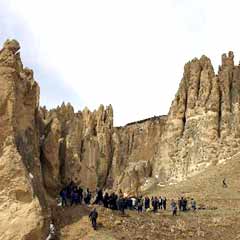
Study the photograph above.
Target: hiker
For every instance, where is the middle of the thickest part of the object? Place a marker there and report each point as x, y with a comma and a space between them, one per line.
147, 203
80, 195
140, 204
193, 204
129, 203
113, 201
93, 217
121, 205
88, 196
174, 208
224, 183
160, 202
155, 204
164, 203
99, 197
134, 203
63, 196
74, 198
52, 232
180, 204
106, 200
184, 205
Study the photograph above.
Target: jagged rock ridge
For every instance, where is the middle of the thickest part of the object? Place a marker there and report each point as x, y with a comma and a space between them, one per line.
40, 149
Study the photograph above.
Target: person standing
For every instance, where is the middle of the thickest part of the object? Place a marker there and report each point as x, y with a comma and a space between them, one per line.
63, 195
140, 204
106, 200
193, 204
164, 203
147, 203
160, 202
93, 217
52, 232
155, 204
224, 183
174, 208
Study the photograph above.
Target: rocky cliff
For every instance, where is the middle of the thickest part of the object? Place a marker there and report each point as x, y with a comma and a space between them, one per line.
42, 150
203, 122
20, 169
76, 146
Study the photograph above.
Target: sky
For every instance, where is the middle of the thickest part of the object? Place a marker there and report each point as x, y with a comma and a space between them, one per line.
127, 53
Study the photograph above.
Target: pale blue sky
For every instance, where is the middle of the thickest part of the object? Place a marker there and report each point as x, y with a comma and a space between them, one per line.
127, 53
53, 89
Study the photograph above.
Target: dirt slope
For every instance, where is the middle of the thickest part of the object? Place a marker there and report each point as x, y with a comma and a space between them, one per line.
220, 219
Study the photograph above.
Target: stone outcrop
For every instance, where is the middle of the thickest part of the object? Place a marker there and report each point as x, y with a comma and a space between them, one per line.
134, 147
77, 146
21, 195
202, 125
41, 150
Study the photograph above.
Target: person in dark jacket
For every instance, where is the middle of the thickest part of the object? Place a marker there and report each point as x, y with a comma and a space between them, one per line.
99, 197
88, 197
106, 200
147, 203
155, 204
74, 198
121, 205
180, 204
164, 203
80, 195
140, 204
63, 195
93, 217
184, 204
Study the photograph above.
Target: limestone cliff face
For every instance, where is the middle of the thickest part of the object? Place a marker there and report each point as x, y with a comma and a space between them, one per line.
85, 147
43, 149
203, 121
77, 146
134, 147
19, 144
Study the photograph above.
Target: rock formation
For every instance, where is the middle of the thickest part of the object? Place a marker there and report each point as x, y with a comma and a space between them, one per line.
42, 150
202, 125
20, 174
77, 146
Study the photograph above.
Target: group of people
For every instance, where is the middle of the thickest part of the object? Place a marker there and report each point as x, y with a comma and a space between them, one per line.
72, 194
183, 204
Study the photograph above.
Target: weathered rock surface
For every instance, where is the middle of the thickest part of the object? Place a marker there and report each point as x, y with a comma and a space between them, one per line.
20, 211
134, 147
202, 125
19, 149
77, 146
40, 149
